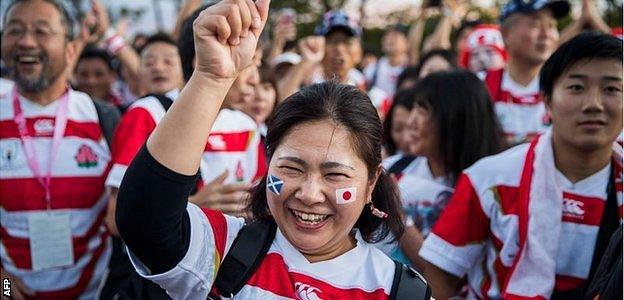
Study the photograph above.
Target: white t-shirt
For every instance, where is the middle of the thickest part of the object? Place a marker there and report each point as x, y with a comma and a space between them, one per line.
387, 75
423, 197
363, 272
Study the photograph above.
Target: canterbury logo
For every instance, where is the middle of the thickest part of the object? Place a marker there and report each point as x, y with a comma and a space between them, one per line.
573, 208
307, 292
217, 142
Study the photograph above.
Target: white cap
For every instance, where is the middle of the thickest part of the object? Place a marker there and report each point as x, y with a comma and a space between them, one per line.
287, 57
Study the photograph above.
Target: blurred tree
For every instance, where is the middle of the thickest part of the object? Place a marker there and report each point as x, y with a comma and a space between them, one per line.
613, 14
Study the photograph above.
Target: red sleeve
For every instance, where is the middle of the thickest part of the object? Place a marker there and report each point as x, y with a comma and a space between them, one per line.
134, 129
463, 221
262, 163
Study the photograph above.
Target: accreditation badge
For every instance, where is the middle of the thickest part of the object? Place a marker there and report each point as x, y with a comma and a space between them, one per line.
50, 240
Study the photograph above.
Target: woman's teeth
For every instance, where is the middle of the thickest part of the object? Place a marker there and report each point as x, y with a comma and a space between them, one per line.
309, 217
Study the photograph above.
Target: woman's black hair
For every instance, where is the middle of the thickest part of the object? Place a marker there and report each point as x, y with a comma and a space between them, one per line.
350, 108
588, 45
186, 43
409, 73
461, 107
404, 99
447, 55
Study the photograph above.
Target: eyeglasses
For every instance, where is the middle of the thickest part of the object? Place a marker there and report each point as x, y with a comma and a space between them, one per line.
40, 34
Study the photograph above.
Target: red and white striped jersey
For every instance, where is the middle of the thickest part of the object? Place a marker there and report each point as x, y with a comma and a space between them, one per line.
232, 144
520, 109
361, 273
477, 233
77, 188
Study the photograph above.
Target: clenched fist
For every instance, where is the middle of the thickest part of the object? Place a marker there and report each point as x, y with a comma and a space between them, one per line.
312, 49
226, 35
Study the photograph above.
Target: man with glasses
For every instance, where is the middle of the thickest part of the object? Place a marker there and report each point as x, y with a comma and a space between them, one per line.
53, 162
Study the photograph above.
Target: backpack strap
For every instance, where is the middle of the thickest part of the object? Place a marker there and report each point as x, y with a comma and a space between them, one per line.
246, 253
109, 118
400, 165
165, 101
373, 81
408, 284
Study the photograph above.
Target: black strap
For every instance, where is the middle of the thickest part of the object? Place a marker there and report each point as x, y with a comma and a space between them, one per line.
609, 223
164, 100
607, 281
109, 118
401, 164
408, 284
374, 79
246, 253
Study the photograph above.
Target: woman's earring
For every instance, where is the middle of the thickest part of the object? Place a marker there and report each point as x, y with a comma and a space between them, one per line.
376, 212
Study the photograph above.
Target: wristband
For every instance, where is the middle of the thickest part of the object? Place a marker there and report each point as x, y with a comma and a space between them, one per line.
113, 41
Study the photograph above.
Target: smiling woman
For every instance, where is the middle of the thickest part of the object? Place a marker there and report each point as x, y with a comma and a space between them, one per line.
324, 148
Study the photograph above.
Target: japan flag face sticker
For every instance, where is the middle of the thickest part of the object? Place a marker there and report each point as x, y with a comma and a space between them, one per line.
346, 195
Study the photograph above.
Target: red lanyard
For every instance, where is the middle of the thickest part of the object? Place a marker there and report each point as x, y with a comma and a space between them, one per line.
60, 123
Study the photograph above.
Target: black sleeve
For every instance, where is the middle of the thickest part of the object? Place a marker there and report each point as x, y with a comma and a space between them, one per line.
151, 212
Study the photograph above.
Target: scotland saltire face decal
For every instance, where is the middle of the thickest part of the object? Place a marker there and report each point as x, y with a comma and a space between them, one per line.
274, 184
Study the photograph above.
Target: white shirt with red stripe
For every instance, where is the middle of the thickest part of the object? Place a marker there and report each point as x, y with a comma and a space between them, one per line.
232, 144
363, 272
484, 245
77, 188
520, 109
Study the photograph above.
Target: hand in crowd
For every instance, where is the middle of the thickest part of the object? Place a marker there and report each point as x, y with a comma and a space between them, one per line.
284, 32
95, 23
457, 9
312, 49
19, 290
226, 35
228, 198
591, 17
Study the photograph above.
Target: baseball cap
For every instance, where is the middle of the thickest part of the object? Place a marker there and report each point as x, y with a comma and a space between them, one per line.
334, 19
286, 58
560, 8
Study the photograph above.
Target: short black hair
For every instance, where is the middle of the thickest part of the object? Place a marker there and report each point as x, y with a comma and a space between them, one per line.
91, 52
159, 37
587, 45
66, 18
398, 27
447, 55
409, 73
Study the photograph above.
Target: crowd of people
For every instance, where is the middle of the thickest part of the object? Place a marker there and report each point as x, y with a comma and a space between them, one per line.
483, 161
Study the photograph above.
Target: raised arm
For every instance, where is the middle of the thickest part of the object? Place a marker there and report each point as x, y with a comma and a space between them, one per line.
151, 212
452, 13
312, 50
226, 36
415, 37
